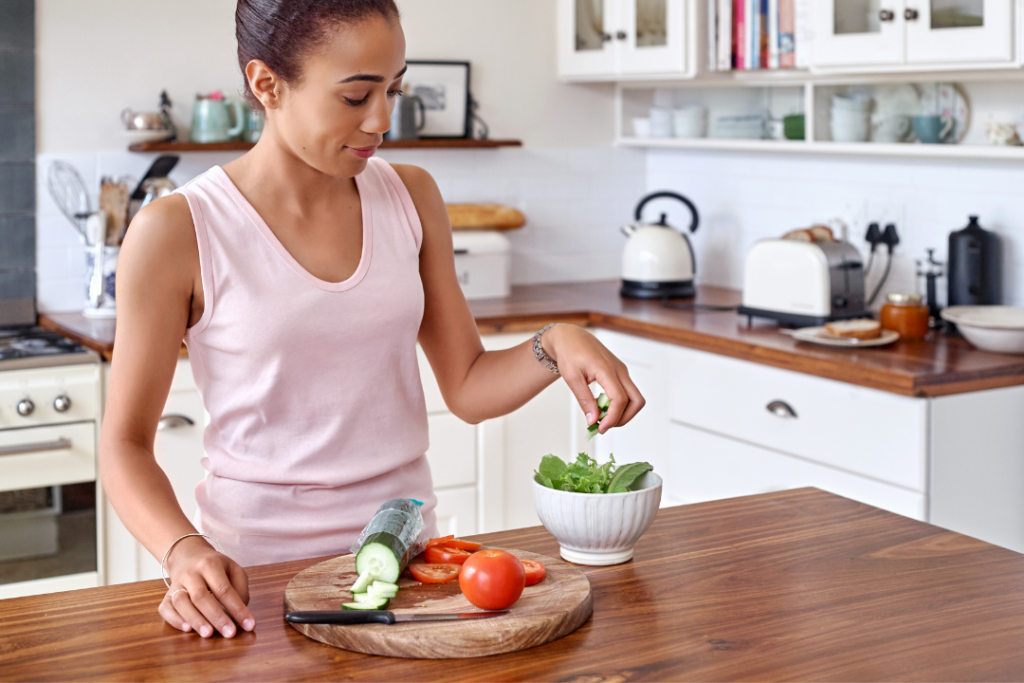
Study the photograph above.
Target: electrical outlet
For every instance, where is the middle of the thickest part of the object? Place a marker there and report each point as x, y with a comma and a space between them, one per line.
855, 215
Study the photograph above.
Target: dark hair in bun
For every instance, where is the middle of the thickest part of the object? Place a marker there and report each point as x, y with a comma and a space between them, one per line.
282, 32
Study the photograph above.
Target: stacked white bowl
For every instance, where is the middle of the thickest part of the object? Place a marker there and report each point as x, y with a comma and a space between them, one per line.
851, 117
691, 122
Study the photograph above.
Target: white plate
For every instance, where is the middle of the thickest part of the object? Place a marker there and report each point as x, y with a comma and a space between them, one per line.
946, 99
135, 136
818, 335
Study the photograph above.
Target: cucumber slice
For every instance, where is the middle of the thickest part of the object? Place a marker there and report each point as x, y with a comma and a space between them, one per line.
363, 582
384, 585
603, 401
369, 605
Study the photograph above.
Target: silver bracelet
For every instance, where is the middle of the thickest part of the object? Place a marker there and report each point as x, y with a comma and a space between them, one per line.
539, 353
163, 571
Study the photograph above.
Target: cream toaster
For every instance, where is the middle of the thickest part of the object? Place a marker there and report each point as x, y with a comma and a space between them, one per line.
803, 283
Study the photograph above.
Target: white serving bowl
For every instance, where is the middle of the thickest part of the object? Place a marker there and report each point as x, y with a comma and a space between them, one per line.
598, 528
991, 328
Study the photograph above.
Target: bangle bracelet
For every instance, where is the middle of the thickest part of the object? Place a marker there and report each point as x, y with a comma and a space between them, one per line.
163, 571
539, 353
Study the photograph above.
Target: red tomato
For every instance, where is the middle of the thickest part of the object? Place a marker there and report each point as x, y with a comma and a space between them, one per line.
442, 554
440, 541
434, 573
464, 545
492, 579
535, 572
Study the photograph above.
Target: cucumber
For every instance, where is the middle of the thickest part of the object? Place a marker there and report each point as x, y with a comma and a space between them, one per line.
363, 582
390, 540
384, 585
368, 605
375, 594
603, 401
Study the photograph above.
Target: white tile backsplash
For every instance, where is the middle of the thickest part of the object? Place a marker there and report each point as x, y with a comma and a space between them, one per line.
574, 201
746, 197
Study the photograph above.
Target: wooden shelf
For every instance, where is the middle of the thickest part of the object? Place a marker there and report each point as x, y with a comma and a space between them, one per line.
241, 146
868, 149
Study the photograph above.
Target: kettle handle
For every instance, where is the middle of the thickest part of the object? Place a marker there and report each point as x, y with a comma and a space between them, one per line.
671, 195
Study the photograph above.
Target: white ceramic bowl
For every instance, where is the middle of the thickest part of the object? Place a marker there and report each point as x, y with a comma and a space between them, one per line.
598, 528
992, 328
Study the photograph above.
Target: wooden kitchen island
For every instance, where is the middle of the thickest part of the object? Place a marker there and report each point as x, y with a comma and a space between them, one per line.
799, 585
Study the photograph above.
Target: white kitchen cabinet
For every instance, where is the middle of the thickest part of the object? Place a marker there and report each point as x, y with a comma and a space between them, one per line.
179, 450
707, 466
614, 39
912, 33
456, 511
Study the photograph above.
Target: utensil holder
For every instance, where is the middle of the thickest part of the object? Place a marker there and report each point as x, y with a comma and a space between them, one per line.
108, 305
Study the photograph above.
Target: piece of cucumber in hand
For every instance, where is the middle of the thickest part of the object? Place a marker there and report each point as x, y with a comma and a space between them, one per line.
602, 402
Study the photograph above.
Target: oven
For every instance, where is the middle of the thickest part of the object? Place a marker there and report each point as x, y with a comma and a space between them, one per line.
51, 509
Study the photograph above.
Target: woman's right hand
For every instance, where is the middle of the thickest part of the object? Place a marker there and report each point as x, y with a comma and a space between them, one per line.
209, 591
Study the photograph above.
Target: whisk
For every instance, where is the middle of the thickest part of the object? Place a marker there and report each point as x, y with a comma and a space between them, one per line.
69, 194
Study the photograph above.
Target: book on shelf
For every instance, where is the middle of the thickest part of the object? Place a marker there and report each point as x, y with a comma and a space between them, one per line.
739, 34
724, 36
752, 35
773, 34
747, 35
802, 33
787, 28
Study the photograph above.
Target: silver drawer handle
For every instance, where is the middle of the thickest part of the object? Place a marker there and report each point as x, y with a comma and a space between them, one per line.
781, 409
58, 445
174, 422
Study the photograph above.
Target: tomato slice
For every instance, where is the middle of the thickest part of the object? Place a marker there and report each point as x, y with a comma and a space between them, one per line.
464, 545
435, 573
443, 540
442, 554
535, 572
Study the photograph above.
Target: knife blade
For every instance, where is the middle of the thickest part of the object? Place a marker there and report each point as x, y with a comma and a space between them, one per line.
348, 617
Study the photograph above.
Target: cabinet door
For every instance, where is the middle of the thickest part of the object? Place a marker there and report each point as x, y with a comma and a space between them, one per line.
955, 31
179, 446
456, 511
586, 45
706, 466
858, 32
655, 32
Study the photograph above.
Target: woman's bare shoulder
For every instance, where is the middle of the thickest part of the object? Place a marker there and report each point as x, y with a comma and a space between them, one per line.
426, 196
161, 240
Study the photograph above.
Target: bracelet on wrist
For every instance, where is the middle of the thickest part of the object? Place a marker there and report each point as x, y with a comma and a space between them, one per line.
541, 355
163, 570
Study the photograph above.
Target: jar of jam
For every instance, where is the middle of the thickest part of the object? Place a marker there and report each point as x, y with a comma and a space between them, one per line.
904, 313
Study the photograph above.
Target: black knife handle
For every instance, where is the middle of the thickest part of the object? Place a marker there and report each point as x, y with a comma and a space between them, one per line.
342, 617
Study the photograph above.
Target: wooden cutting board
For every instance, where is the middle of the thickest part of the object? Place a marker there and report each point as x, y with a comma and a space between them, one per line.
553, 608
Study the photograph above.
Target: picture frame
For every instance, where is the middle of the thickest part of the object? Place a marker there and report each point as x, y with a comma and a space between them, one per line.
444, 88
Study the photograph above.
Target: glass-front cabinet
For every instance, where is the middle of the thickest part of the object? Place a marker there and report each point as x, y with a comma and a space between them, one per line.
609, 39
859, 33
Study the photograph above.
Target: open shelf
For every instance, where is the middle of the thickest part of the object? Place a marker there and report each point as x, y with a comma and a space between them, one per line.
840, 148
241, 146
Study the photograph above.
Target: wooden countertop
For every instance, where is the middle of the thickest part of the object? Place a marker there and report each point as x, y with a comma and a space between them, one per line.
937, 366
798, 585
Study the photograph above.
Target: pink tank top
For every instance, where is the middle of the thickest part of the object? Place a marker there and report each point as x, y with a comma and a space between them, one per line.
316, 409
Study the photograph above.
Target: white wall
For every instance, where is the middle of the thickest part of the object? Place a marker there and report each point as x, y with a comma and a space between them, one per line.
747, 197
97, 57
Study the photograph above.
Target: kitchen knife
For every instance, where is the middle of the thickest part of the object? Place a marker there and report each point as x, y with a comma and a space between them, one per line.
348, 617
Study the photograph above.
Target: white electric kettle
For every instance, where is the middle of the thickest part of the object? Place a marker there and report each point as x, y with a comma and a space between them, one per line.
658, 260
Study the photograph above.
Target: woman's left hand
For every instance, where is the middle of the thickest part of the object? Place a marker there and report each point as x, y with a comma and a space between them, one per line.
582, 359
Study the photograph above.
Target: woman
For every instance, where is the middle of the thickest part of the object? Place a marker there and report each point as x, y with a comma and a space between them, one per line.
301, 277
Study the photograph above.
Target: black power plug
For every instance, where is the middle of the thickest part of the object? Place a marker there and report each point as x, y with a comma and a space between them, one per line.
873, 236
889, 237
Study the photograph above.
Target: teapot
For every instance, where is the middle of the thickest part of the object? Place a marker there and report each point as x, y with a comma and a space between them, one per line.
658, 260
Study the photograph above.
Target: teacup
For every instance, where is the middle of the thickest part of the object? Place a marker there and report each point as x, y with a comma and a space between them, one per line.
1004, 134
661, 122
690, 122
850, 126
893, 128
934, 130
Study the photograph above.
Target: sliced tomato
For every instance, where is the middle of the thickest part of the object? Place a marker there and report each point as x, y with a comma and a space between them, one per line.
464, 545
442, 554
443, 540
535, 572
435, 573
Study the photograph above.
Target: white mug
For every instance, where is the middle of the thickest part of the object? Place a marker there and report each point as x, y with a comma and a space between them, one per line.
661, 122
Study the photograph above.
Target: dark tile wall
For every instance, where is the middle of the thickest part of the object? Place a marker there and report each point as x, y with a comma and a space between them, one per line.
17, 162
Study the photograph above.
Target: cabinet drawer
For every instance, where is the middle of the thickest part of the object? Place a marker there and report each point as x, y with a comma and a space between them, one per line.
705, 466
452, 452
66, 455
870, 432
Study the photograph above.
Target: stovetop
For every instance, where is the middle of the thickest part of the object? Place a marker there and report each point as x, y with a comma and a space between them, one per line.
34, 347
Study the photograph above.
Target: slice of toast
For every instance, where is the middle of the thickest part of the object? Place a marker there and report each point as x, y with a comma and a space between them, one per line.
799, 236
855, 329
822, 233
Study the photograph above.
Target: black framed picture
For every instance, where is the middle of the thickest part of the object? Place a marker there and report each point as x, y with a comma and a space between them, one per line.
443, 88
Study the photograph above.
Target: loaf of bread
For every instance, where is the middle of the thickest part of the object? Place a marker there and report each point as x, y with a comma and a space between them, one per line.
855, 329
484, 217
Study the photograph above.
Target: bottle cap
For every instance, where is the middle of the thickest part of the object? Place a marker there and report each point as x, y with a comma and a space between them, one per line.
904, 298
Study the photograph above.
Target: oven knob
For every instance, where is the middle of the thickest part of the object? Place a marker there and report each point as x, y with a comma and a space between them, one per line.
25, 407
62, 403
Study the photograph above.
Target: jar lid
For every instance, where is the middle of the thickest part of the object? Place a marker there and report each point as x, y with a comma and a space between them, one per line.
904, 298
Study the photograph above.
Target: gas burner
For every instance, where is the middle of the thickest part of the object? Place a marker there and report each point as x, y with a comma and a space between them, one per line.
23, 347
